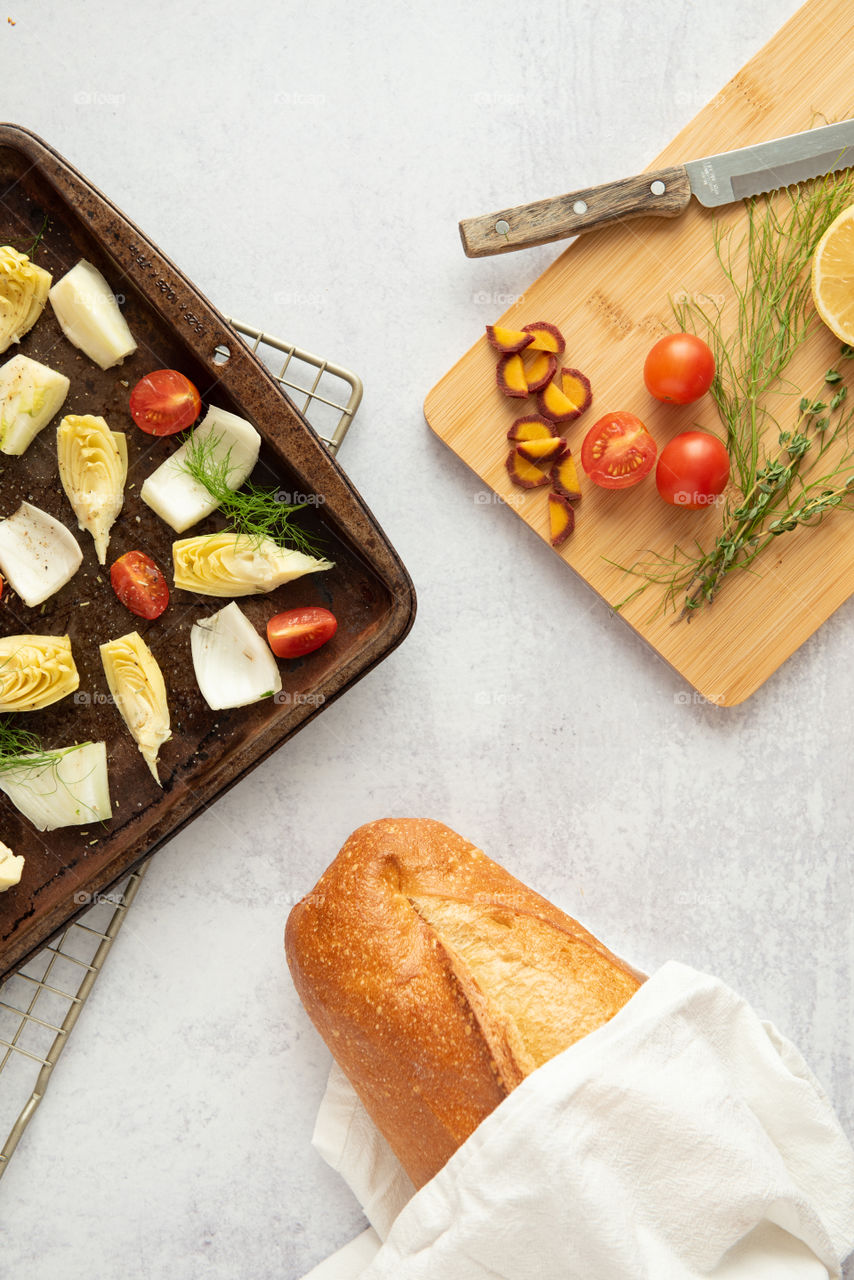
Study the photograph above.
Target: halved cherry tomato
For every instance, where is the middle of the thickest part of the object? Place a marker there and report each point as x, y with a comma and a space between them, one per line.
164, 402
139, 584
692, 470
680, 368
300, 631
618, 451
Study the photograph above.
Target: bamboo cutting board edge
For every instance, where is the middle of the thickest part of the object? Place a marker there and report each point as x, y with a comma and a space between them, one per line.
729, 650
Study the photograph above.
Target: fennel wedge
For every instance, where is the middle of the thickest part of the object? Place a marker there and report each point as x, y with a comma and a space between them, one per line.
136, 683
89, 316
11, 866
35, 671
93, 468
67, 787
177, 496
234, 666
38, 555
235, 564
30, 395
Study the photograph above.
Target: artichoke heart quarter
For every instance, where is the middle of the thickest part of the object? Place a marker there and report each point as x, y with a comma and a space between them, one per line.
93, 468
23, 293
236, 564
136, 683
35, 671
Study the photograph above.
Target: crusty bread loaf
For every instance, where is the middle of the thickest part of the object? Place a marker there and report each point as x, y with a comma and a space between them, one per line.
439, 981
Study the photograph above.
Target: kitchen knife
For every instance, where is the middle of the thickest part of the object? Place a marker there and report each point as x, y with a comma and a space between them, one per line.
715, 180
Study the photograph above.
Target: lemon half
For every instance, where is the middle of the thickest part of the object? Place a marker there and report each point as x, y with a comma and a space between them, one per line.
832, 277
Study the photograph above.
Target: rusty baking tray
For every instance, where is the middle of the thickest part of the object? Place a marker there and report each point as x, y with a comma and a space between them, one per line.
41, 1002
369, 589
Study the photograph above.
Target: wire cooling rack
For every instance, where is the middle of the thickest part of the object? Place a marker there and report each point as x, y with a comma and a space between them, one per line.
40, 1004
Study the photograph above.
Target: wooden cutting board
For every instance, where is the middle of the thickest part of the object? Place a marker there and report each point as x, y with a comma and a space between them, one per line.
609, 293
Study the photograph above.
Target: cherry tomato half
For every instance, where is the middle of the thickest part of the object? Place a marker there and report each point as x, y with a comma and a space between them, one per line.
300, 631
679, 368
164, 402
139, 584
692, 470
618, 451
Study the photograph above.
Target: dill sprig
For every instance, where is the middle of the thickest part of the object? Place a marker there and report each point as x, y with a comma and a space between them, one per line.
31, 249
252, 510
773, 307
773, 489
16, 743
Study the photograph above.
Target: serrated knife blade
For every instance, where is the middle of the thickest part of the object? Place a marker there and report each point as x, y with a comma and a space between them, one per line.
783, 162
713, 181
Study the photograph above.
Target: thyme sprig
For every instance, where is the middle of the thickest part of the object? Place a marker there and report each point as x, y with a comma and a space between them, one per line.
798, 485
785, 493
252, 510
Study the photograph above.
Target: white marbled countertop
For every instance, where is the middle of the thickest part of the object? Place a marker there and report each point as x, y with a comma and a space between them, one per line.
306, 165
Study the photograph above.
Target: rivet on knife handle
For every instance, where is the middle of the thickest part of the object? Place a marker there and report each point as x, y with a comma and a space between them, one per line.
665, 192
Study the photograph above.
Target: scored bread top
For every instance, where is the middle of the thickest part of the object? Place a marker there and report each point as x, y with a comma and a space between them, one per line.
439, 981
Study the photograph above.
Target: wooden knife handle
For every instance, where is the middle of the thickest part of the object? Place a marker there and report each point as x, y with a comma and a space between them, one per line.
664, 192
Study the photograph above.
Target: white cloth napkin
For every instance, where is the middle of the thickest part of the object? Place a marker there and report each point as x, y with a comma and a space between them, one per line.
685, 1138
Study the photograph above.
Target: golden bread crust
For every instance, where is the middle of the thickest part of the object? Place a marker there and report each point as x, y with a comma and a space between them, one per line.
439, 981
